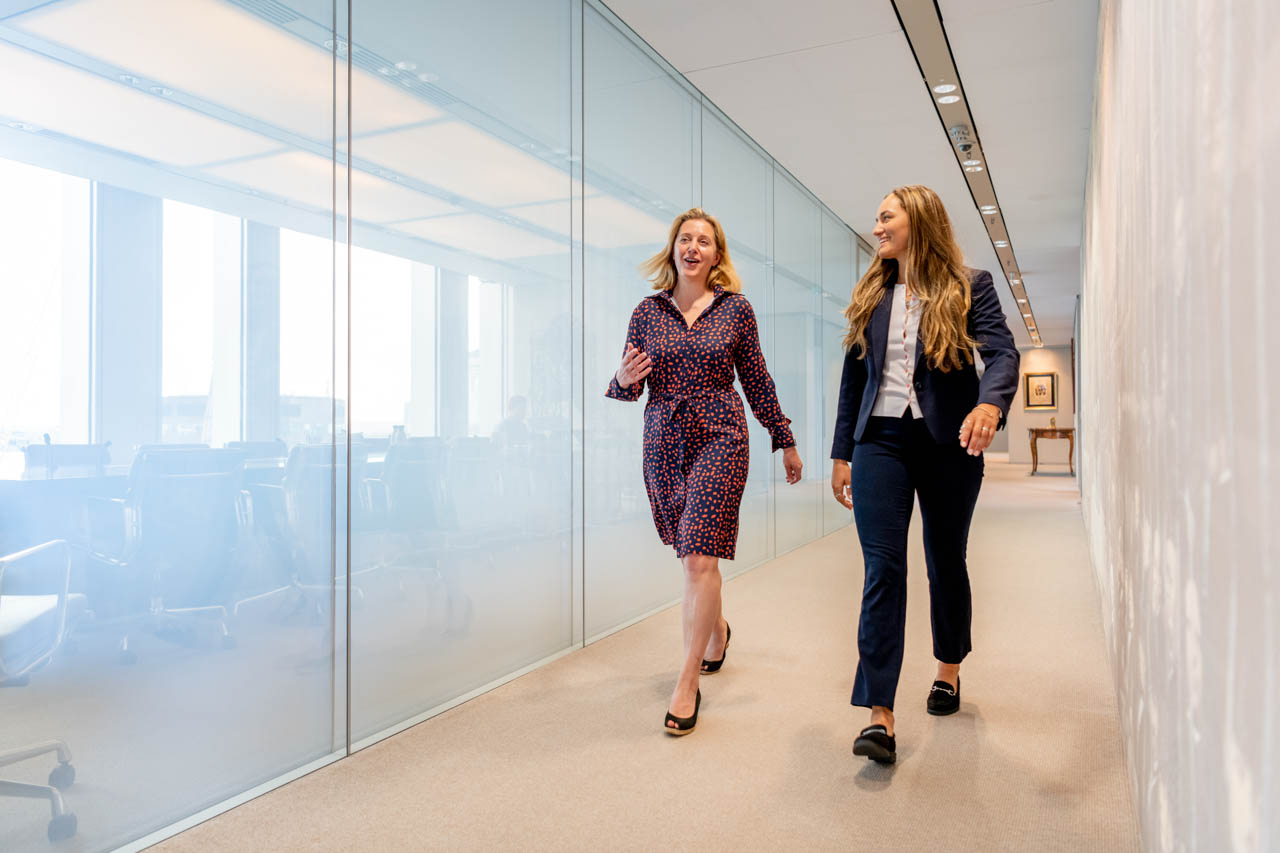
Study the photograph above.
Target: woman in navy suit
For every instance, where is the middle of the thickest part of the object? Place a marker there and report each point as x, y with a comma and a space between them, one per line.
912, 421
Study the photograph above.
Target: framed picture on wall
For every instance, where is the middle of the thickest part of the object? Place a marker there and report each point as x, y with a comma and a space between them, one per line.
1039, 391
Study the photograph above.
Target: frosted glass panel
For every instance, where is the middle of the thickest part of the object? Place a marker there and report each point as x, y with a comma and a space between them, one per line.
638, 125
166, 497
797, 340
737, 188
460, 362
837, 286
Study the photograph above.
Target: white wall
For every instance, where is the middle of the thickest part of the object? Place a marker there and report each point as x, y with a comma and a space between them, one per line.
1051, 451
1179, 405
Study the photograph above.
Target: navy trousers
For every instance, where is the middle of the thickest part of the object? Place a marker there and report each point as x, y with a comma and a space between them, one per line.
896, 461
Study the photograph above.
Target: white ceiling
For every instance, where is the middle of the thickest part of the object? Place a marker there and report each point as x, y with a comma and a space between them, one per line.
831, 90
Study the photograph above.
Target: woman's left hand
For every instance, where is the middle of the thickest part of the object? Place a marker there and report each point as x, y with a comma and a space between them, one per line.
979, 428
791, 462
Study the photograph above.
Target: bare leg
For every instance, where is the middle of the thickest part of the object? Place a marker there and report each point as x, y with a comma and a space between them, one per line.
715, 646
882, 716
949, 672
701, 612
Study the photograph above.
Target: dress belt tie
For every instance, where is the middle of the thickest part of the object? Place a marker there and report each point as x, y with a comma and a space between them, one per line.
679, 400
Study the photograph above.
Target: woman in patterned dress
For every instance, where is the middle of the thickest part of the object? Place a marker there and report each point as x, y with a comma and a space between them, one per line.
685, 342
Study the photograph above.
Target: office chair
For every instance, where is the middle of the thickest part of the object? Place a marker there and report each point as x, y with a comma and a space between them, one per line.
179, 529
304, 532
34, 601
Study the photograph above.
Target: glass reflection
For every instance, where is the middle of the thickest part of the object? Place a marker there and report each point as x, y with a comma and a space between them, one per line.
186, 440
460, 393
169, 463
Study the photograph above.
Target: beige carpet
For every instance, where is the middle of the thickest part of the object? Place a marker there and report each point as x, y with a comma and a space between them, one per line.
571, 756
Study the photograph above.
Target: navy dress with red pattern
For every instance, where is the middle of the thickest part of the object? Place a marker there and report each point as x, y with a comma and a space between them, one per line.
695, 431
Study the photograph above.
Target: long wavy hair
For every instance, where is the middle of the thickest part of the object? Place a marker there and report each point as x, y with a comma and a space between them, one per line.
934, 266
661, 269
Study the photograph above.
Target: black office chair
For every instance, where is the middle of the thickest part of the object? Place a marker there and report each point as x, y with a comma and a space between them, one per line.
299, 516
182, 522
422, 542
34, 606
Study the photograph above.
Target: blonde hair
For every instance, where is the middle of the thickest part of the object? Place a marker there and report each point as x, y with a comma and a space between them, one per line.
934, 266
661, 270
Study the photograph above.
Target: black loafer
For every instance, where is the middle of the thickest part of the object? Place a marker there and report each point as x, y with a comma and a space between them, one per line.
943, 698
876, 743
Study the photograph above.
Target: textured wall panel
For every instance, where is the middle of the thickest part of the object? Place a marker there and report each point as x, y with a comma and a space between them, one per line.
1178, 399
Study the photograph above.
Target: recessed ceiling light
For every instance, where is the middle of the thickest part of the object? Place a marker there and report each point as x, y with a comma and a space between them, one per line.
342, 45
944, 88
129, 78
1017, 281
428, 77
1022, 301
973, 168
1000, 244
972, 163
162, 91
386, 70
23, 126
988, 208
407, 66
1028, 316
948, 99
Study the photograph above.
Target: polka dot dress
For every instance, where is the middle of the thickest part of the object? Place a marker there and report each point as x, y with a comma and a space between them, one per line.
695, 432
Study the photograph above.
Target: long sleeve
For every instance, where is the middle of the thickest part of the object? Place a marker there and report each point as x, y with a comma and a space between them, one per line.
853, 379
758, 385
635, 337
987, 325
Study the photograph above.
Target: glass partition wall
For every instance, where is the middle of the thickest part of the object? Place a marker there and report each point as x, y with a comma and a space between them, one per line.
309, 310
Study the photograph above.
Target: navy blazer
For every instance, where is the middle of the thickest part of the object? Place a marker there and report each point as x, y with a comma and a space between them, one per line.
944, 398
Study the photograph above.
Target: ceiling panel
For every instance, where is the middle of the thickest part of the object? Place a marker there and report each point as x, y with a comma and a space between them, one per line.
482, 236
468, 162
308, 179
55, 96
693, 36
226, 56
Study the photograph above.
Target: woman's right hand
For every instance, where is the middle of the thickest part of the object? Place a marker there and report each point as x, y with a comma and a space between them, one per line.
840, 482
635, 366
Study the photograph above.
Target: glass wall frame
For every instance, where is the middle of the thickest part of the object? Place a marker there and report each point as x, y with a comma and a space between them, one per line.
358, 322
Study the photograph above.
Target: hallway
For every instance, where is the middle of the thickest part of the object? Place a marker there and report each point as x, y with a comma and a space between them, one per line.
570, 756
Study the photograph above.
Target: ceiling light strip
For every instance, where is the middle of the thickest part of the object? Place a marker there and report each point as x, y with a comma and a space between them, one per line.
921, 22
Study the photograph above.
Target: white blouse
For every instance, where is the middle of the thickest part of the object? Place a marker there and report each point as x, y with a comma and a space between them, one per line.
897, 392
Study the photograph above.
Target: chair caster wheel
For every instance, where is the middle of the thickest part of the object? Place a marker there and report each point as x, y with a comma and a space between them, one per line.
228, 641
62, 827
62, 776
129, 657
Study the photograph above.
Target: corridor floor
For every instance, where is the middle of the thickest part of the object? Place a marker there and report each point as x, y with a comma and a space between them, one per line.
571, 756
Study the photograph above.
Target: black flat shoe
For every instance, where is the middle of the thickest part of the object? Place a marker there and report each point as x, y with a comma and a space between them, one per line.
943, 698
876, 743
710, 666
684, 725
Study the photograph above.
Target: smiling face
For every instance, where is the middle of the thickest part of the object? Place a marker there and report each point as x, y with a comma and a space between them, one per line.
893, 229
694, 252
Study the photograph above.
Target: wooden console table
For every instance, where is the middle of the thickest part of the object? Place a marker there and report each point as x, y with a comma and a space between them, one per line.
1069, 433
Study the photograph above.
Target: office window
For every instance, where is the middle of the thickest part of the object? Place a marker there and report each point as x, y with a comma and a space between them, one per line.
200, 333
44, 287
381, 329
